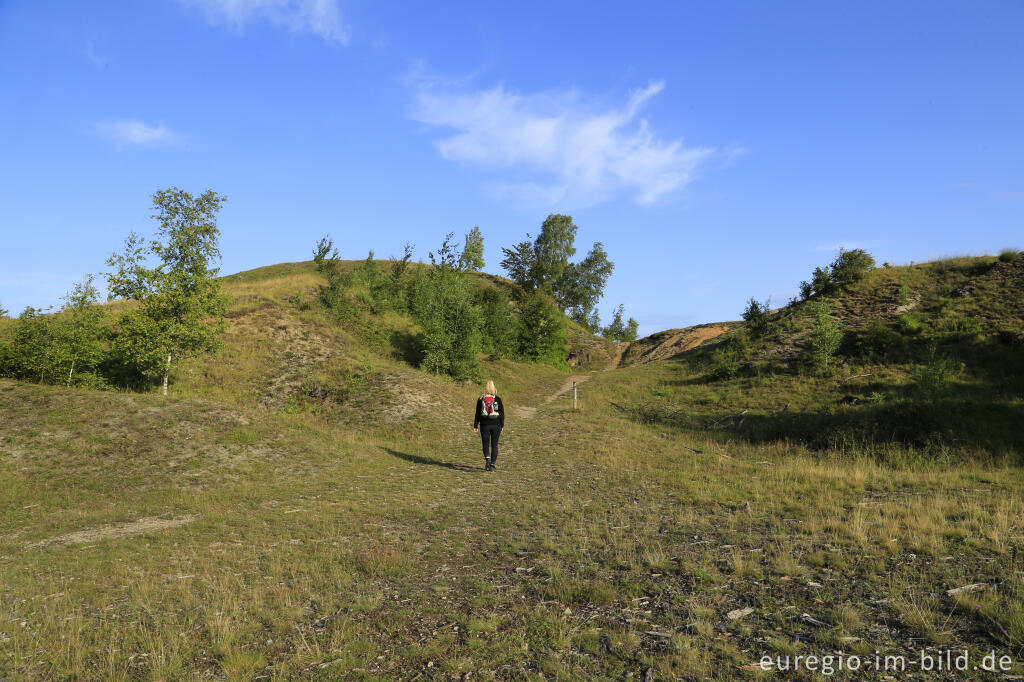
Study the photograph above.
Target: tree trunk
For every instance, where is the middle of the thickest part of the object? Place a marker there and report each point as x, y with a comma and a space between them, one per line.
72, 370
167, 371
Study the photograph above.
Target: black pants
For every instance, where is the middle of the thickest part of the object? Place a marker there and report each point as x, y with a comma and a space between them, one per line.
489, 434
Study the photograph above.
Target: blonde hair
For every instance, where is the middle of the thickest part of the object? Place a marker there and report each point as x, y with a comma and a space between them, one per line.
490, 388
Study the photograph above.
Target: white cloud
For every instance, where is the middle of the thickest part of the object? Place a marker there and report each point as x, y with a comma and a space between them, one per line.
582, 152
319, 17
127, 132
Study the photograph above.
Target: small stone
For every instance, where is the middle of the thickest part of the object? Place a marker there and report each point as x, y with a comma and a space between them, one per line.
739, 613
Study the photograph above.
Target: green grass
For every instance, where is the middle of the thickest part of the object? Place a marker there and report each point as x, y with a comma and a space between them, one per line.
350, 533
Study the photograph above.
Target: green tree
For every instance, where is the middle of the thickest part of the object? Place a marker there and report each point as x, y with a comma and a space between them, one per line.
543, 335
826, 335
850, 267
617, 330
472, 258
31, 355
552, 250
3, 311
847, 269
498, 324
180, 304
444, 307
545, 263
368, 275
328, 264
582, 285
519, 263
756, 316
397, 283
80, 333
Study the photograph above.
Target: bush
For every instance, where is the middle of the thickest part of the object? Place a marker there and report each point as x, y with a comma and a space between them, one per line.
933, 378
826, 335
851, 267
619, 331
1008, 255
847, 269
31, 355
376, 287
498, 329
450, 318
878, 341
729, 359
543, 335
903, 295
756, 316
909, 325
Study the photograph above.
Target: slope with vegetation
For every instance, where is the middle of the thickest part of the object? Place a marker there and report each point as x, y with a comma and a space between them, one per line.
309, 502
919, 361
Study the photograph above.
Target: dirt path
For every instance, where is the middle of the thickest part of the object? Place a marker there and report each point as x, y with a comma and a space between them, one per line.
620, 350
616, 360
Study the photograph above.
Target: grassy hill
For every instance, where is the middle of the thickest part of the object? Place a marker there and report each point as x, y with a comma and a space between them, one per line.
308, 505
930, 367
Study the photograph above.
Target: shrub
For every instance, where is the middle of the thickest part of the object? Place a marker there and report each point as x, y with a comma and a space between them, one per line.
1008, 255
851, 267
367, 274
498, 324
450, 318
847, 269
619, 331
542, 332
933, 378
756, 316
903, 295
31, 354
826, 335
724, 363
910, 325
730, 357
877, 341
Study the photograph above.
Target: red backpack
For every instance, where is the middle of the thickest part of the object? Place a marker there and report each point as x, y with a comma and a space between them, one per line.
489, 407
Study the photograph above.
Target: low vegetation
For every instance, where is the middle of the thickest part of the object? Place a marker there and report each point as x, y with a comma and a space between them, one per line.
839, 476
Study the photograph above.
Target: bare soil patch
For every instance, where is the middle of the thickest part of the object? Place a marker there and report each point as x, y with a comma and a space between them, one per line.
114, 531
673, 342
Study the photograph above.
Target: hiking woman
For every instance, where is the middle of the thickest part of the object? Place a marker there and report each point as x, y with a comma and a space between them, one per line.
488, 420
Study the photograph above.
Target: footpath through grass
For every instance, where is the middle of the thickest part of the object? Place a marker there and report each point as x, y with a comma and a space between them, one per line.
296, 548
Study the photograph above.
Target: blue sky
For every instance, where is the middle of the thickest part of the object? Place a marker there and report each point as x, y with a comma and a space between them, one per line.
719, 150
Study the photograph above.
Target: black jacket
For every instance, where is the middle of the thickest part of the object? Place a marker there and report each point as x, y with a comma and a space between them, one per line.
477, 419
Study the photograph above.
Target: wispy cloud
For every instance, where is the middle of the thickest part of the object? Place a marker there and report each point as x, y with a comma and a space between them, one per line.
319, 17
131, 132
566, 148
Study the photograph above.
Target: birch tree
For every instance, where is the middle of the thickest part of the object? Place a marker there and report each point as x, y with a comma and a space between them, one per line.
180, 306
80, 331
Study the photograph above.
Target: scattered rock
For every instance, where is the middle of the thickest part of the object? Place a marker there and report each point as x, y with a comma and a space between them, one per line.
660, 640
974, 587
808, 618
739, 613
328, 664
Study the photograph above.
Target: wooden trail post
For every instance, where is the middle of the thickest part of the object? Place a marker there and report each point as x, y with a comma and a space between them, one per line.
574, 395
